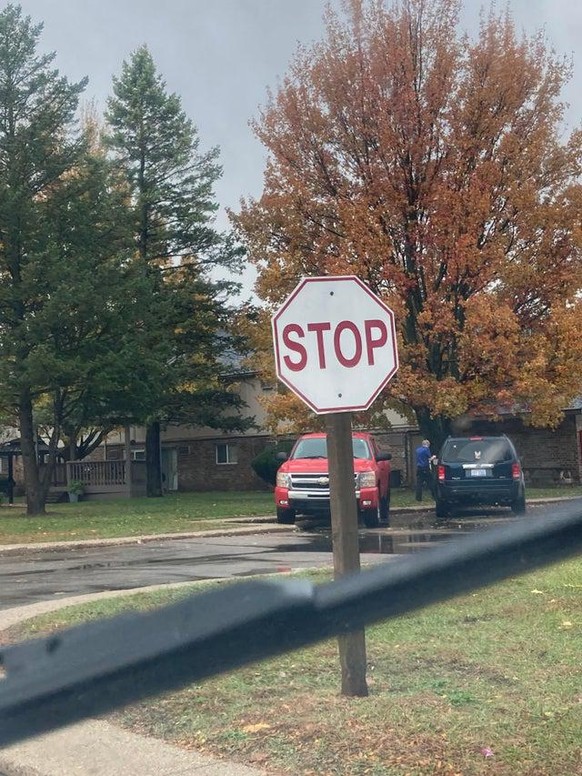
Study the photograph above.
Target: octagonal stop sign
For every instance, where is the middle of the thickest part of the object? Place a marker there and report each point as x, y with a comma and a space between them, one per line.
335, 343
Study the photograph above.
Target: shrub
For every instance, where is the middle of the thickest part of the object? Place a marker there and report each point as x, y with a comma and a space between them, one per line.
265, 464
76, 487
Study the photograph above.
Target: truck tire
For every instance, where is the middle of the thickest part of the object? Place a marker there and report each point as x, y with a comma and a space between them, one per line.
371, 517
385, 509
285, 516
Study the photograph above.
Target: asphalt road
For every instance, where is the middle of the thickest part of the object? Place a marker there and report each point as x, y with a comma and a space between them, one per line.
49, 575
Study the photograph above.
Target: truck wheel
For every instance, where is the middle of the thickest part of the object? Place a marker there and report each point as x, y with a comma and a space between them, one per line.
285, 516
371, 517
385, 509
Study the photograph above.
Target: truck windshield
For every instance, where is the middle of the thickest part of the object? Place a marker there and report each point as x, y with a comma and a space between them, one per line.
317, 448
311, 448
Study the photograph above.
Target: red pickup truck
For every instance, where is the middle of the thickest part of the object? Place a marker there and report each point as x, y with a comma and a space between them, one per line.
302, 486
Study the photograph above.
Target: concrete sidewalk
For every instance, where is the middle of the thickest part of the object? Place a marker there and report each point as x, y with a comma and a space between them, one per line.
95, 747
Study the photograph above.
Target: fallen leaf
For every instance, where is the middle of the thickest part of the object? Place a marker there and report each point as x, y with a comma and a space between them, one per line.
256, 728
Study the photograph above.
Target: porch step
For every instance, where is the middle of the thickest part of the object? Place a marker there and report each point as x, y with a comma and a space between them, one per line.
57, 496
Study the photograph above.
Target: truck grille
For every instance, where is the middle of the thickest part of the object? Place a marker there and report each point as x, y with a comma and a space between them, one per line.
312, 485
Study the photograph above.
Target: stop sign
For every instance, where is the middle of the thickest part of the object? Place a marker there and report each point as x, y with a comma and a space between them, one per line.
335, 343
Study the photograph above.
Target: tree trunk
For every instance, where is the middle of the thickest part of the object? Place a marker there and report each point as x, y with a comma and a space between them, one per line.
153, 460
436, 430
35, 489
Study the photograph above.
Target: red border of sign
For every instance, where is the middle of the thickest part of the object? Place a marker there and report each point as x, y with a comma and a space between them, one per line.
285, 305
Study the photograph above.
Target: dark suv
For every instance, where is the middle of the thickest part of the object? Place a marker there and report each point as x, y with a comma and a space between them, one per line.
479, 470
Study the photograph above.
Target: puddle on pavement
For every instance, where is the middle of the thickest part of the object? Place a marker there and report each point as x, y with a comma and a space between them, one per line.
397, 543
400, 543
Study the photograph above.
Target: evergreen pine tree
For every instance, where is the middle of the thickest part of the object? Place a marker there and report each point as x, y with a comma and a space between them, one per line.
171, 190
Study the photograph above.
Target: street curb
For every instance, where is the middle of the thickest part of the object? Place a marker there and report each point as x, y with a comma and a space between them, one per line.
9, 618
18, 549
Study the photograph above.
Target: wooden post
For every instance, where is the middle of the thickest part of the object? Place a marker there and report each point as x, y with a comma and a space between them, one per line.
128, 472
344, 532
10, 479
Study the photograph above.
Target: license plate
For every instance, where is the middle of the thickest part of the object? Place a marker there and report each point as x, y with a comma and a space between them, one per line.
478, 472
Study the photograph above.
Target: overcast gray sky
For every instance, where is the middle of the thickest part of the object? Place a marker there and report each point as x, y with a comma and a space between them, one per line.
221, 55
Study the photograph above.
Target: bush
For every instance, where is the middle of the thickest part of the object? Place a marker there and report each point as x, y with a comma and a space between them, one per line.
76, 487
265, 464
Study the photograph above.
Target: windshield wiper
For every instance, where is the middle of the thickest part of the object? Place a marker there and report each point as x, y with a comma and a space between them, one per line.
94, 668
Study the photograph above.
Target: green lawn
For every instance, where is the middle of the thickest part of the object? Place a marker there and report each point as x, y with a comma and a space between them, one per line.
487, 683
174, 513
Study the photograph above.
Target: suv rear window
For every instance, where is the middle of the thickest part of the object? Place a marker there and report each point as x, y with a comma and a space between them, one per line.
482, 450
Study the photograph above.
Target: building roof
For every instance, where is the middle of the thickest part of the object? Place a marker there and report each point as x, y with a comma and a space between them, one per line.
14, 447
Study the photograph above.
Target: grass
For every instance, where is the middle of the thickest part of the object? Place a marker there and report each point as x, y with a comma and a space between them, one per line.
487, 683
174, 513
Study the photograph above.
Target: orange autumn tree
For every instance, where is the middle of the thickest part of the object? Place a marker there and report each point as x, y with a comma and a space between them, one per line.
436, 168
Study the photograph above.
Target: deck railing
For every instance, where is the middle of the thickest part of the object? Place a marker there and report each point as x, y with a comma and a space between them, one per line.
97, 473
101, 478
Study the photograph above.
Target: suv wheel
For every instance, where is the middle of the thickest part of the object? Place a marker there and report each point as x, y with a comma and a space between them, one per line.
285, 516
518, 506
441, 509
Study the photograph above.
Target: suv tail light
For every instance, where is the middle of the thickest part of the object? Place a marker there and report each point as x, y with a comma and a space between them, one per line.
516, 471
441, 472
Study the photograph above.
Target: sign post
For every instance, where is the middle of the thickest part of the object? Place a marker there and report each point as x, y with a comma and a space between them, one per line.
335, 348
344, 536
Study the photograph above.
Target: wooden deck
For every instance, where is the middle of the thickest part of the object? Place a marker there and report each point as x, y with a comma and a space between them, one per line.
101, 479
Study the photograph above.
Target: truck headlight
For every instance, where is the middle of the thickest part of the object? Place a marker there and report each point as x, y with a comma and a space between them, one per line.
283, 480
367, 479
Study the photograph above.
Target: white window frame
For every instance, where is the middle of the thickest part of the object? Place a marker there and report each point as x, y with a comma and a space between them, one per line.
230, 454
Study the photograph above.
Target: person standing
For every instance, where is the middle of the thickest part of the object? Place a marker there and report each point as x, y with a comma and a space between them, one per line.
423, 471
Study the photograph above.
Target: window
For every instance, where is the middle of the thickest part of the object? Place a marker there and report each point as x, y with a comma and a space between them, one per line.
485, 450
226, 453
316, 447
119, 454
360, 449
